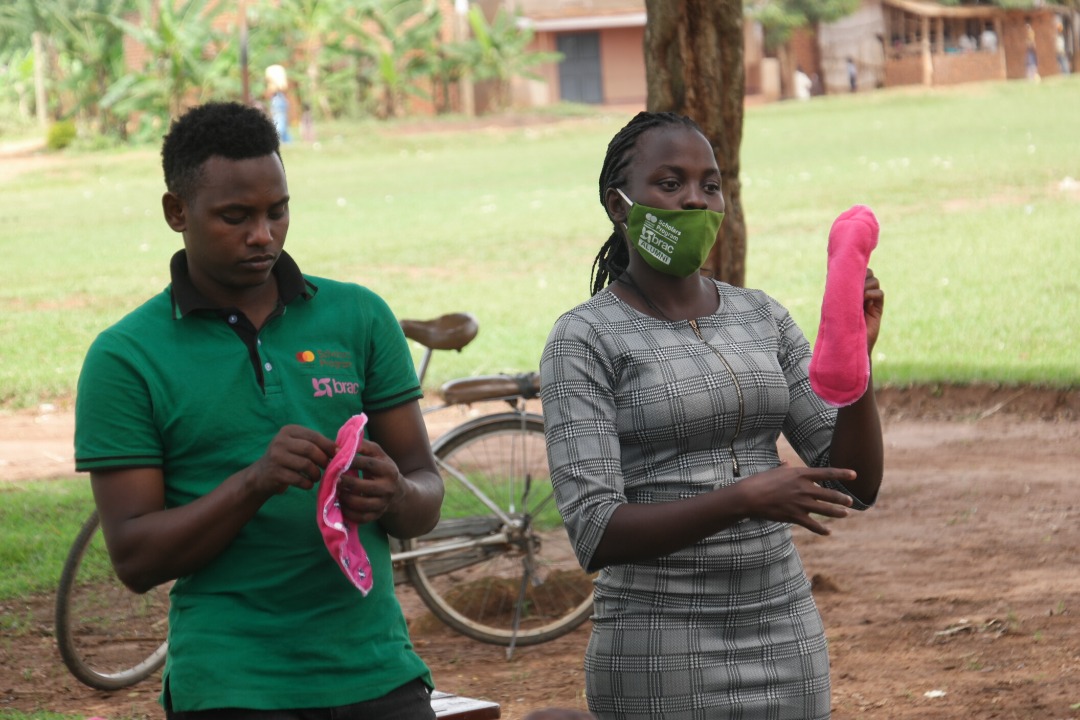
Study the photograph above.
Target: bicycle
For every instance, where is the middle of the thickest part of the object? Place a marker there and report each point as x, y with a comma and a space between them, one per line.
497, 568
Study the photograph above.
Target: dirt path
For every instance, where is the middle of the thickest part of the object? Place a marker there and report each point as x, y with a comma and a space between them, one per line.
957, 596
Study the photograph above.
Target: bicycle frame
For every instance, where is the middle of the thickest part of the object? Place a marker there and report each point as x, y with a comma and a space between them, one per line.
497, 538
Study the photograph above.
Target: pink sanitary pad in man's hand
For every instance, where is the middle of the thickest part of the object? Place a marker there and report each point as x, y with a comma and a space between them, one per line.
840, 366
341, 536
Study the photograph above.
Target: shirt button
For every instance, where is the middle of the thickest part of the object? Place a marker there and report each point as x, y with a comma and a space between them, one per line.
268, 367
233, 319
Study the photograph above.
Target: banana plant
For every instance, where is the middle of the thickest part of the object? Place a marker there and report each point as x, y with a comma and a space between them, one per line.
308, 38
188, 60
396, 50
499, 51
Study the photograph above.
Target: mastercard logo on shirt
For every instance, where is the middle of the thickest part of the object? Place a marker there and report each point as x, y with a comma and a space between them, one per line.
305, 356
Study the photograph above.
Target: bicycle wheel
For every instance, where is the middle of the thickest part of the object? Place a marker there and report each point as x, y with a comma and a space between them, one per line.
109, 637
511, 577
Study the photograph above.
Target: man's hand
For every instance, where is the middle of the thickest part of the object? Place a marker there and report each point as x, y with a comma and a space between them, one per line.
295, 457
372, 484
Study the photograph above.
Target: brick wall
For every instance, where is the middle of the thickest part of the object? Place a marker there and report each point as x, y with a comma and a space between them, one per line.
974, 66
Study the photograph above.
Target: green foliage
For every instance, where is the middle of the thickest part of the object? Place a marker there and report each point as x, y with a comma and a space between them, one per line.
307, 37
16, 88
499, 50
189, 60
400, 53
89, 55
19, 19
778, 22
346, 58
780, 18
61, 134
81, 54
36, 715
823, 11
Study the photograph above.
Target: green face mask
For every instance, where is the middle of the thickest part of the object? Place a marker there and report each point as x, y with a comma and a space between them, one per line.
676, 242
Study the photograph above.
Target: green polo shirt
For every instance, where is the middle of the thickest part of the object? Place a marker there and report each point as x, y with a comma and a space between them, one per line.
195, 390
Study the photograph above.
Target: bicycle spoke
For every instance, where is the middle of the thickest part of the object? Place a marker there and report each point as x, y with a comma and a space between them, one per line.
526, 576
526, 588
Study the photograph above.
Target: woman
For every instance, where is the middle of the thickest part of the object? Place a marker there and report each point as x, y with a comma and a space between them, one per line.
664, 396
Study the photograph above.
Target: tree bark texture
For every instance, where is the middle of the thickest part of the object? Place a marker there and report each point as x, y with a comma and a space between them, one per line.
694, 66
40, 103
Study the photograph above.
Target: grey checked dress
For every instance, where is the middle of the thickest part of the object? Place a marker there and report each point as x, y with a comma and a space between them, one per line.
640, 410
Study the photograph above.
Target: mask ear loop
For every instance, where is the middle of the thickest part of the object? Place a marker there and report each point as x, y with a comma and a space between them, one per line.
628, 202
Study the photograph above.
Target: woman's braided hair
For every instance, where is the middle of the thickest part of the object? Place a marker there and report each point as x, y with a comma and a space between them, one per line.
613, 257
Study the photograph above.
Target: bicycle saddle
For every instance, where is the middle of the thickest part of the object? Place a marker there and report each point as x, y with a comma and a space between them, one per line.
491, 387
447, 332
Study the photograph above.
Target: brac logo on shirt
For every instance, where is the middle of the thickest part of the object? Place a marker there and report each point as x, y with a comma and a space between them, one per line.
329, 387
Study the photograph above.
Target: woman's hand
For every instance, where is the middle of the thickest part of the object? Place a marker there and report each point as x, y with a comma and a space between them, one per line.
873, 308
794, 494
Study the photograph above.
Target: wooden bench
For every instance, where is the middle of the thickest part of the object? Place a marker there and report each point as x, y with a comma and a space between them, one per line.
447, 705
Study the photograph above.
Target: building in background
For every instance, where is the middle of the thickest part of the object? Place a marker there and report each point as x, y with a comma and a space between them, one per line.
892, 42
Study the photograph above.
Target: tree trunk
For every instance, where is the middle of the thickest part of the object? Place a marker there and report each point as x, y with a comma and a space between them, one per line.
694, 66
819, 66
39, 79
787, 71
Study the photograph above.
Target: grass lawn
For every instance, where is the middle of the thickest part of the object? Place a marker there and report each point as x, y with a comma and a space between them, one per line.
975, 188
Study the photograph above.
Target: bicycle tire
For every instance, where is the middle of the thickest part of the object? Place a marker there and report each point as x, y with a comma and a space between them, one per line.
476, 590
108, 636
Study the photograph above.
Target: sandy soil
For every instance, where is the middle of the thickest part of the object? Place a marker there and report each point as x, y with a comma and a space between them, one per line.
957, 596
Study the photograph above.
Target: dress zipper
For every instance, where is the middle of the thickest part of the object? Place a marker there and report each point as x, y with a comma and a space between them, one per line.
738, 392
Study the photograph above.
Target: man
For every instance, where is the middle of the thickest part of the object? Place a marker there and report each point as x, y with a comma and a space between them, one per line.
204, 418
804, 86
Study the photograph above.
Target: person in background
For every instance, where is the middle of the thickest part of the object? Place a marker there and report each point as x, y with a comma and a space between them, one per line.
988, 40
206, 417
804, 86
1031, 57
663, 399
1059, 50
277, 85
852, 73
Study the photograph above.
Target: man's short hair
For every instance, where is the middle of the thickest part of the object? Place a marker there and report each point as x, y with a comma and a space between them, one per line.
229, 129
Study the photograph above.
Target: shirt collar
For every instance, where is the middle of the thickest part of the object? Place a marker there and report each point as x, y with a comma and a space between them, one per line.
187, 299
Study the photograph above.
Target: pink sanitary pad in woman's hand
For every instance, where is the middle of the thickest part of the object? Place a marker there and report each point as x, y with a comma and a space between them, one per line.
840, 366
341, 536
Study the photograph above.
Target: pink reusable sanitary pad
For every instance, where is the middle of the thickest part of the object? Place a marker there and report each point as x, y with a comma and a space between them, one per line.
341, 536
840, 366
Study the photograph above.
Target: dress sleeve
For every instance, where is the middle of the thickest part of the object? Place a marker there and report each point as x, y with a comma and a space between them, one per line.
577, 382
810, 420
